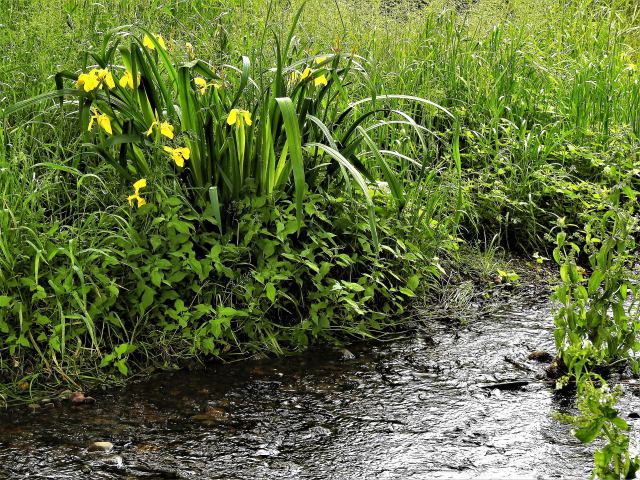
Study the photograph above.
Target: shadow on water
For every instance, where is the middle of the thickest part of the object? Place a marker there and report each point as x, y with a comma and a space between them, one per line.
456, 403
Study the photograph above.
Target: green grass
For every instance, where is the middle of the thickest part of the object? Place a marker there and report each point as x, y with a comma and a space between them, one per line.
229, 254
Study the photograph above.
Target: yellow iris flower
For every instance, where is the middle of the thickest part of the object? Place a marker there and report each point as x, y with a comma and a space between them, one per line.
178, 155
146, 41
142, 183
202, 85
318, 81
166, 128
307, 72
237, 117
95, 79
102, 119
127, 80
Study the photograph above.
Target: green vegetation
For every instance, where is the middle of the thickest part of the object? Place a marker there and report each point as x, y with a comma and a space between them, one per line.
597, 324
191, 179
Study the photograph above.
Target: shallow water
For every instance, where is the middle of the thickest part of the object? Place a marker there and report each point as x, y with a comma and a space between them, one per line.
417, 408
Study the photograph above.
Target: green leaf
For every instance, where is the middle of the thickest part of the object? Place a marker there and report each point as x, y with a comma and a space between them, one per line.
392, 179
270, 292
590, 432
231, 312
147, 299
357, 176
354, 287
294, 141
122, 366
407, 292
5, 300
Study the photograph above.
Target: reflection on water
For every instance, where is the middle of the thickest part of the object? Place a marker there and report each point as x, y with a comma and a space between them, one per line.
419, 408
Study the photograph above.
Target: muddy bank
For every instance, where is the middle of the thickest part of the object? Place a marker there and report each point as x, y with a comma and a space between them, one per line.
452, 402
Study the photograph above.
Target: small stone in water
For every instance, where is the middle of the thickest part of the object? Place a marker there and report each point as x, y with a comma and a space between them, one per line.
541, 356
78, 398
346, 354
100, 447
634, 415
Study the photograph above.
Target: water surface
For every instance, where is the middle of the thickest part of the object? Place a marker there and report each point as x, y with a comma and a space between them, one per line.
422, 407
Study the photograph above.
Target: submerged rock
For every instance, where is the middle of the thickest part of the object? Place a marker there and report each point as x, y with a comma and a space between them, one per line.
211, 416
541, 356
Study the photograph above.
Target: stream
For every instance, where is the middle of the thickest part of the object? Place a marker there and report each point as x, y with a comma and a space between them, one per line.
448, 402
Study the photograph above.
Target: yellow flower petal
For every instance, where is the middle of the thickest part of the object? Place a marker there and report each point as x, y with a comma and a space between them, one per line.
135, 196
140, 184
81, 79
201, 83
90, 83
232, 119
109, 81
307, 71
321, 80
185, 152
166, 129
105, 122
320, 59
178, 155
127, 80
146, 41
103, 76
247, 117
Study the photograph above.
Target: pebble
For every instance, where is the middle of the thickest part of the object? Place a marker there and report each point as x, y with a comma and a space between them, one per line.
346, 354
78, 398
101, 447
